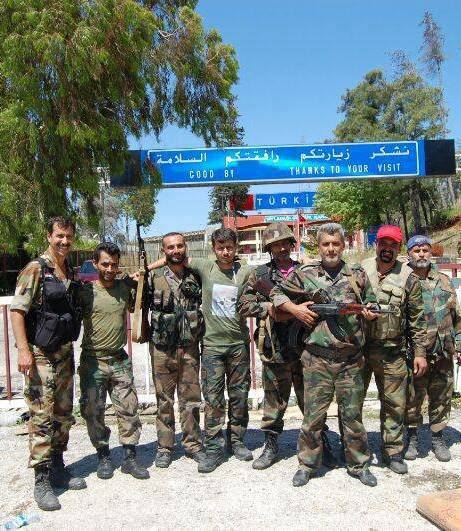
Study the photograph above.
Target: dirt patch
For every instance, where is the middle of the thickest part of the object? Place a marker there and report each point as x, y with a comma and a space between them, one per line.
440, 480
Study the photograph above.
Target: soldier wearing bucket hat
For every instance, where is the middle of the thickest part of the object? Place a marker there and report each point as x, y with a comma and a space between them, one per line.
443, 317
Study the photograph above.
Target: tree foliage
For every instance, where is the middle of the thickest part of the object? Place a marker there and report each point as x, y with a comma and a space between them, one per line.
220, 196
78, 77
404, 107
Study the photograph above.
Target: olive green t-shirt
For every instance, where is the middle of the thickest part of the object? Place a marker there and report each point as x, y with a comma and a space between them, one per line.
221, 289
104, 314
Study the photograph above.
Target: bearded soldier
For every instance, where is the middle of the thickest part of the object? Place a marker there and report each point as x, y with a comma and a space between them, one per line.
282, 367
394, 284
177, 326
443, 317
332, 358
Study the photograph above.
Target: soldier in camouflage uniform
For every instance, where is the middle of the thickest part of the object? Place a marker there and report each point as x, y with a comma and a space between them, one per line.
49, 376
226, 353
332, 361
443, 317
105, 366
282, 367
177, 327
394, 284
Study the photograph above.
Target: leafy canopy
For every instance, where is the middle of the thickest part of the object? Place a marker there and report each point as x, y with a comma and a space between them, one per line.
78, 77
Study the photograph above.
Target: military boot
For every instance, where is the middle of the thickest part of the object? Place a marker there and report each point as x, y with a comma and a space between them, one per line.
269, 455
411, 452
211, 462
365, 477
163, 459
130, 465
301, 478
43, 493
439, 447
328, 458
105, 468
395, 463
61, 477
198, 456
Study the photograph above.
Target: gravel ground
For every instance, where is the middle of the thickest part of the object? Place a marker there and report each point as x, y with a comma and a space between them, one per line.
235, 496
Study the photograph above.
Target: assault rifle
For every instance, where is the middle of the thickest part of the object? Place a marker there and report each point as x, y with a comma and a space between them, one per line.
324, 307
141, 329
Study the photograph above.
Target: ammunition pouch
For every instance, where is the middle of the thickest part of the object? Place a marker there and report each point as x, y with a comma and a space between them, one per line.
163, 329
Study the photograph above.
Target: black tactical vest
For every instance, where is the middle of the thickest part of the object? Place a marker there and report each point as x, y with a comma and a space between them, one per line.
58, 319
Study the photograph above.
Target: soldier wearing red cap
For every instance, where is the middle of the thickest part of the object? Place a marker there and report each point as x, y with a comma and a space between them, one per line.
395, 284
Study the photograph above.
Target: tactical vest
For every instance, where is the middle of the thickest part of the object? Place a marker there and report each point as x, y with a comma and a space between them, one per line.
271, 336
176, 322
57, 320
391, 291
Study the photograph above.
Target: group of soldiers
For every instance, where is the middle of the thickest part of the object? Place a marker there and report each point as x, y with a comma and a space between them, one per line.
406, 332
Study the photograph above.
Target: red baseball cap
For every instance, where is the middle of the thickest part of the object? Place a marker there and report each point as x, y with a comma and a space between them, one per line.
390, 231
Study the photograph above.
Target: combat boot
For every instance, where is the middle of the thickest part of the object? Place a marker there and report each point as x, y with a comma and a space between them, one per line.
105, 468
439, 447
130, 465
211, 462
328, 458
241, 452
365, 477
301, 478
395, 463
163, 459
198, 457
43, 493
411, 452
61, 477
269, 455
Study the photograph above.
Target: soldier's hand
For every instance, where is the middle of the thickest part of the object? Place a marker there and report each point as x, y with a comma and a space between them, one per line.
368, 313
458, 358
135, 276
25, 360
303, 314
419, 366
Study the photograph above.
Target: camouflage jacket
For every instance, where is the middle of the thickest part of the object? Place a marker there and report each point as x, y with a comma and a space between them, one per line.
176, 316
401, 288
443, 314
309, 278
254, 304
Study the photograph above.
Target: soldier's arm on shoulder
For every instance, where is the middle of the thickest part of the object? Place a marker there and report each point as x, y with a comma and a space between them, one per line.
27, 287
417, 324
249, 303
288, 290
199, 265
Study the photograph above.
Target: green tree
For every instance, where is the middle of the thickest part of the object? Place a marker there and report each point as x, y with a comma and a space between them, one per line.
405, 107
78, 77
220, 196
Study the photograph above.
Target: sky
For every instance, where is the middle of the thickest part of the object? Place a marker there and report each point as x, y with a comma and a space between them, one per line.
297, 58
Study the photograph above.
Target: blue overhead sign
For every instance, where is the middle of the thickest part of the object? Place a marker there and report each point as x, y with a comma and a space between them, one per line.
279, 201
290, 164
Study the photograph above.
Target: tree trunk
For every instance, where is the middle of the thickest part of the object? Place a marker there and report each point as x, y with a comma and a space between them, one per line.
414, 200
451, 192
423, 207
404, 216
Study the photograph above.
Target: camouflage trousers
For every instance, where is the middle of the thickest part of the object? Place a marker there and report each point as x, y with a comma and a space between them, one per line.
437, 383
49, 396
391, 376
102, 373
277, 379
177, 370
322, 380
229, 366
